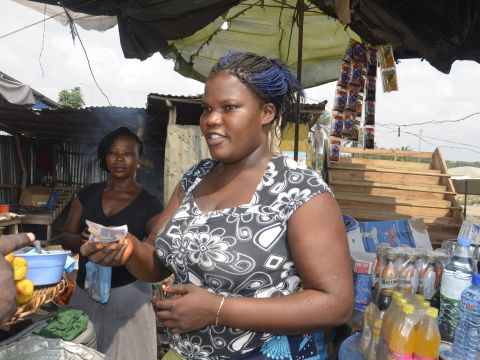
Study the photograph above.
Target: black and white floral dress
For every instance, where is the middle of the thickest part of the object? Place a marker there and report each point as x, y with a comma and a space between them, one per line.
236, 252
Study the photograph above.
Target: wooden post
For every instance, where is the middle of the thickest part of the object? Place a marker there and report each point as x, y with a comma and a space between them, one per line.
21, 160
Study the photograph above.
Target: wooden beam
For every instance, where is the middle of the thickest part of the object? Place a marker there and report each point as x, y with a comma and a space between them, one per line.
389, 152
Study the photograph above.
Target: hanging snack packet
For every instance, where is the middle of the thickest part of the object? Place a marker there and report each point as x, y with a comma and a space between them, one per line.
371, 88
340, 99
337, 125
387, 59
344, 75
369, 112
389, 80
359, 106
347, 57
357, 72
352, 99
369, 142
355, 131
348, 123
372, 61
334, 149
358, 51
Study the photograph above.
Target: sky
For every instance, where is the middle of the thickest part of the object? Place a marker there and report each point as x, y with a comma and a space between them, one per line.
50, 61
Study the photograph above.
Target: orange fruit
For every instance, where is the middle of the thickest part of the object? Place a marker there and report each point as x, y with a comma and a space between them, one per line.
19, 268
24, 287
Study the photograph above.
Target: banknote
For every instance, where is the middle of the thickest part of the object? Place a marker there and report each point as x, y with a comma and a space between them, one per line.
106, 234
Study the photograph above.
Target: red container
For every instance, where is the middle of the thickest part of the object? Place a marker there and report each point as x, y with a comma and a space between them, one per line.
4, 208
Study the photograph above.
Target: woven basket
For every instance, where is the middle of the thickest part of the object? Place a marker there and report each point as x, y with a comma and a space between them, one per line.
41, 295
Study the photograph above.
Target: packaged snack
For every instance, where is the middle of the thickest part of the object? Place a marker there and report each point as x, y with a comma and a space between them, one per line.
337, 125
344, 75
347, 57
352, 99
357, 72
372, 61
355, 132
369, 112
389, 80
340, 99
387, 59
371, 88
358, 51
348, 123
334, 149
369, 132
359, 106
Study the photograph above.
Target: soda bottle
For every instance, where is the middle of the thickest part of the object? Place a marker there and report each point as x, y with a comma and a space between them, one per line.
467, 336
427, 279
456, 277
427, 346
388, 281
408, 276
394, 314
401, 342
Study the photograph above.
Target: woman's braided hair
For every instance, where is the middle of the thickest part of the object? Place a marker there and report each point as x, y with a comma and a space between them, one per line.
107, 141
269, 79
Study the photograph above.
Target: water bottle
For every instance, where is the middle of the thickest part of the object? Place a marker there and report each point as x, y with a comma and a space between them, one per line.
456, 277
467, 336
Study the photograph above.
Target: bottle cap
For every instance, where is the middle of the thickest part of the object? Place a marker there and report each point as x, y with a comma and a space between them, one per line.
426, 304
464, 241
419, 297
396, 294
408, 309
401, 301
476, 279
432, 312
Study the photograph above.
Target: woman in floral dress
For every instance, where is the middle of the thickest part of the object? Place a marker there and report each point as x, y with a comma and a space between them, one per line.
243, 230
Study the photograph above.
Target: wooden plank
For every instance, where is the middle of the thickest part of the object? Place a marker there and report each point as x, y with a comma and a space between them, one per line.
376, 184
388, 152
353, 188
385, 215
439, 163
400, 200
354, 175
386, 163
414, 211
390, 170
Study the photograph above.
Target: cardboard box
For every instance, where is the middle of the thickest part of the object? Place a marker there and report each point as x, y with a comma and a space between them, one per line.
35, 196
365, 236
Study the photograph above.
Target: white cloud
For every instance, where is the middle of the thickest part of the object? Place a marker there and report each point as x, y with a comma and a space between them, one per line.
425, 93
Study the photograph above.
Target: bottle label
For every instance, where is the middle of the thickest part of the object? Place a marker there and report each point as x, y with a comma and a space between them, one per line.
453, 283
470, 306
418, 357
393, 355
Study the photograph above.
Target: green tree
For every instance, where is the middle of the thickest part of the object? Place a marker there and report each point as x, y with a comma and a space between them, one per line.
72, 98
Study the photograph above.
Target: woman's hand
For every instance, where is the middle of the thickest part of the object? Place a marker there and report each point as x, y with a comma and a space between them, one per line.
113, 254
189, 308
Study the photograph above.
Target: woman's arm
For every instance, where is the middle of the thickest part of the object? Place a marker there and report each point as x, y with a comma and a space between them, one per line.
72, 236
139, 257
319, 247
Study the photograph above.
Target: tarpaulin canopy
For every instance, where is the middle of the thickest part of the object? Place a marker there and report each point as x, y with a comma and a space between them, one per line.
14, 94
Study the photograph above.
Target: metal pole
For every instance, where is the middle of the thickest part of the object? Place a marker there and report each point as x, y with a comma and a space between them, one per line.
465, 200
300, 9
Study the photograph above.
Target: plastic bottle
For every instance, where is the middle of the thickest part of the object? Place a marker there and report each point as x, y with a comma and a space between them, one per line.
373, 347
394, 316
388, 281
467, 336
401, 343
427, 279
368, 322
427, 344
408, 276
456, 277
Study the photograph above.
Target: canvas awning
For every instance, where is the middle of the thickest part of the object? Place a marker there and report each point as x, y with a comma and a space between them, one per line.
14, 94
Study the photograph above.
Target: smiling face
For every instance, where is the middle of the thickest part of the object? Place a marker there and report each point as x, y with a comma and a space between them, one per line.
122, 157
235, 121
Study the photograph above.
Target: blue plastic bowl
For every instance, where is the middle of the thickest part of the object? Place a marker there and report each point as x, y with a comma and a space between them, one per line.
46, 268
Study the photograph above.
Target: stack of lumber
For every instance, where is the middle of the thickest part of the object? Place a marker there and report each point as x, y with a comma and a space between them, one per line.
381, 184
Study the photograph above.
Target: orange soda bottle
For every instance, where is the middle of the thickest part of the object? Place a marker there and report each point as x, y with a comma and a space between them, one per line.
401, 342
428, 346
387, 324
368, 322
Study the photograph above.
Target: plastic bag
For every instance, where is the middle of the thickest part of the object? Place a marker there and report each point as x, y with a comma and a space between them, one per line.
98, 282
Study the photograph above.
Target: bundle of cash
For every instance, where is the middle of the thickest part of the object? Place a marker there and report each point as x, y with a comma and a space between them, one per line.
105, 234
